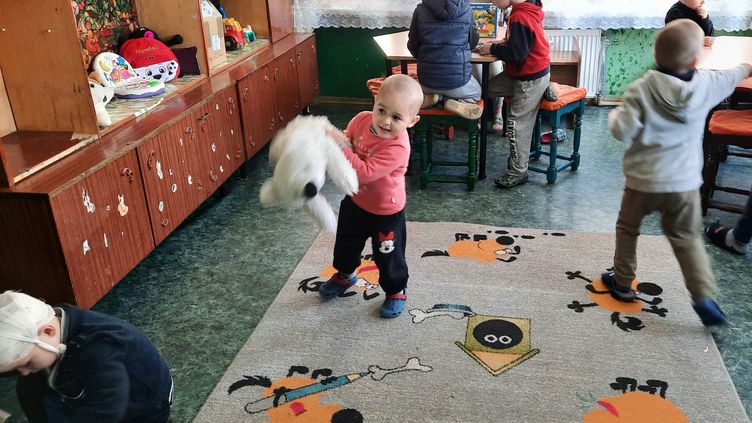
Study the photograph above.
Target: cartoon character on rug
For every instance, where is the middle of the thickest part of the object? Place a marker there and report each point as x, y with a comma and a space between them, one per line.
480, 248
647, 293
497, 343
303, 154
298, 399
645, 403
101, 95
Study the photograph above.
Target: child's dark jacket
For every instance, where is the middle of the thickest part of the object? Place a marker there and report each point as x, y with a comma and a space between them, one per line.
680, 11
442, 35
525, 51
110, 371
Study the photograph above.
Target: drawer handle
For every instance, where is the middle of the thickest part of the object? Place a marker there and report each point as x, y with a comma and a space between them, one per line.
239, 151
165, 222
129, 173
212, 176
266, 77
245, 95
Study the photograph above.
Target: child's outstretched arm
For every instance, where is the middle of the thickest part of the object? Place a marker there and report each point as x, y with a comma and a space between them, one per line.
626, 121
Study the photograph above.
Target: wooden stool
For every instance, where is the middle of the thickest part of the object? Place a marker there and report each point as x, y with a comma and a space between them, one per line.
571, 101
726, 128
424, 138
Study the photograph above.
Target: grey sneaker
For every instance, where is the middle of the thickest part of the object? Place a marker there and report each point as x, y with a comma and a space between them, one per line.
467, 110
511, 181
550, 94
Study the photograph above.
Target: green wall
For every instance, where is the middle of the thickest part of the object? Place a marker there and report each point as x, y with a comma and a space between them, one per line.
630, 53
349, 56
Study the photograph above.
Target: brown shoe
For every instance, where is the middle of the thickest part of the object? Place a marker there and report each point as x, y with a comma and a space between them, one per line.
467, 110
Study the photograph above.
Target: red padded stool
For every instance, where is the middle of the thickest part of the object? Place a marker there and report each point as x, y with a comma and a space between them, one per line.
571, 101
725, 128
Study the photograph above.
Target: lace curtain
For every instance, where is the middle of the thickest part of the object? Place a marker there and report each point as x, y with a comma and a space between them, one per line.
728, 15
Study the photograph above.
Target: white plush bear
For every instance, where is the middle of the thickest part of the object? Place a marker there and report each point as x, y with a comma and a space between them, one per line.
101, 96
302, 154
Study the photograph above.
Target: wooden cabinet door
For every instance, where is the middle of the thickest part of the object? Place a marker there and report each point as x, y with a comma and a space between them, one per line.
168, 166
230, 112
103, 227
286, 88
280, 18
308, 71
220, 137
258, 109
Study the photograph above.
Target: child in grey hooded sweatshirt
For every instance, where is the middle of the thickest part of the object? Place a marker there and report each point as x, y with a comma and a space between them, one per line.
662, 119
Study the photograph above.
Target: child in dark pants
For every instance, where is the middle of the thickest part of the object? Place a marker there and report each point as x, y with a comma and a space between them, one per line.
81, 366
379, 154
662, 119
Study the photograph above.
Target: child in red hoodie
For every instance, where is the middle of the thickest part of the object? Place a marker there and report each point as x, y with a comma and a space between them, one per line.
380, 153
527, 66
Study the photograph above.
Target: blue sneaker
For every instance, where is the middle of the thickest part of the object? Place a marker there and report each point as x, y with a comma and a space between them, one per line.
710, 313
336, 285
617, 291
393, 305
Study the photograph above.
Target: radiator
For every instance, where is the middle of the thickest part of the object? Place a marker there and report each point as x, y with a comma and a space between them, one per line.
592, 55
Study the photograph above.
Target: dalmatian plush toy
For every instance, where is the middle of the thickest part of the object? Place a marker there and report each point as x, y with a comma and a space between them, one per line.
303, 154
101, 95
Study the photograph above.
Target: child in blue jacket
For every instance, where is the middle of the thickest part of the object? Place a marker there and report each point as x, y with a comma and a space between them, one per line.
442, 36
81, 366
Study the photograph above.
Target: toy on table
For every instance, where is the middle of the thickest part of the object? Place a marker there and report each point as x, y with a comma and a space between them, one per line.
101, 96
112, 70
303, 154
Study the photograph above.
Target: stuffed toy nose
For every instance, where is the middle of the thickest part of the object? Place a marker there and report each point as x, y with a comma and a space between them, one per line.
310, 190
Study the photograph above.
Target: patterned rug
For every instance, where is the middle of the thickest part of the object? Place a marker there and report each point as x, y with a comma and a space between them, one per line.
501, 325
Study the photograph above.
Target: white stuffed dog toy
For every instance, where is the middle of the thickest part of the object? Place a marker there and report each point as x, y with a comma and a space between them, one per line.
302, 154
101, 95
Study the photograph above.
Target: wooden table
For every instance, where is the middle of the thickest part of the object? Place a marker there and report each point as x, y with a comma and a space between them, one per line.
394, 47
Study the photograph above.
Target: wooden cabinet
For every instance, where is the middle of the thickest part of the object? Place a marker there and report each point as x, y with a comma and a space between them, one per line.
103, 227
171, 172
308, 71
74, 229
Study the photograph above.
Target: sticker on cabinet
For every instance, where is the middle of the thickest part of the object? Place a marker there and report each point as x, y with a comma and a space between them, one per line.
90, 207
122, 208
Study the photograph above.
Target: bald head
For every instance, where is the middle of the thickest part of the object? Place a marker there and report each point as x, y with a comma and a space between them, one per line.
678, 45
406, 88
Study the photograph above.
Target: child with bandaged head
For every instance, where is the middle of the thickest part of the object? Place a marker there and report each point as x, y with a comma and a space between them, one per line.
78, 365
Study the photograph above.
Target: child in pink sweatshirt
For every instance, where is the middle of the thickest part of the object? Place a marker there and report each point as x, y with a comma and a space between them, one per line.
380, 153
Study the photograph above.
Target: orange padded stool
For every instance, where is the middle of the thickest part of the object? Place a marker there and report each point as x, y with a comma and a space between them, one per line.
726, 128
742, 93
424, 138
571, 101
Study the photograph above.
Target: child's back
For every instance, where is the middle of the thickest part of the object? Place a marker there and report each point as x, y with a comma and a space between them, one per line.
663, 116
440, 40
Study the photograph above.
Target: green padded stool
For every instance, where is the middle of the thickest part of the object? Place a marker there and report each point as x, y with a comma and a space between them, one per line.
571, 101
424, 138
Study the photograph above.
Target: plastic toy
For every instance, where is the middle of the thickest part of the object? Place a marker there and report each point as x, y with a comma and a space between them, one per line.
234, 37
